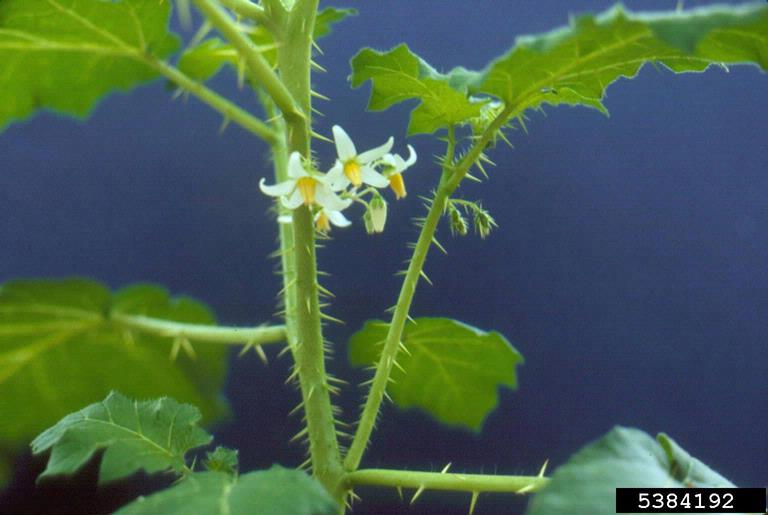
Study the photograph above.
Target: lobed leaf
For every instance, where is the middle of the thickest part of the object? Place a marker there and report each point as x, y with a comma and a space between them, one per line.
572, 65
60, 352
450, 369
151, 435
277, 490
575, 65
399, 75
623, 458
67, 54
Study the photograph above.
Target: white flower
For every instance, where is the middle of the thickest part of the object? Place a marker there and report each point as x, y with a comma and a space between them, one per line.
355, 168
393, 167
304, 188
325, 217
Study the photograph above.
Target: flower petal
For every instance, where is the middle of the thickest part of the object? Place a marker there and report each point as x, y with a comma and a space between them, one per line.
344, 146
329, 200
294, 201
374, 178
295, 168
376, 153
337, 218
277, 190
335, 177
411, 157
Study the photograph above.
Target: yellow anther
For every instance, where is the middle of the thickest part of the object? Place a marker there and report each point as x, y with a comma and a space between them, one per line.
307, 186
397, 184
353, 172
323, 223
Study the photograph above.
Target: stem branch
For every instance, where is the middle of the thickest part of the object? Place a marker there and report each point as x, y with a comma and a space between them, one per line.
229, 110
200, 332
452, 176
475, 483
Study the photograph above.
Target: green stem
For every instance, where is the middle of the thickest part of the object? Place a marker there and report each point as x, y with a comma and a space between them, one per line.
475, 483
452, 176
294, 58
260, 70
229, 110
200, 332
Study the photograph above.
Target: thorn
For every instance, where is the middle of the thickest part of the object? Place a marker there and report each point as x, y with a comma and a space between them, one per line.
306, 464
505, 139
325, 291
424, 275
404, 348
473, 502
543, 469
319, 136
484, 158
317, 112
332, 319
472, 177
317, 66
296, 409
395, 363
301, 434
417, 494
445, 469
439, 246
400, 491
318, 95
317, 47
261, 354
525, 489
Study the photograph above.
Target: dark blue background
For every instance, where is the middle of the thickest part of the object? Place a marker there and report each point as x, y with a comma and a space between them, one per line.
629, 266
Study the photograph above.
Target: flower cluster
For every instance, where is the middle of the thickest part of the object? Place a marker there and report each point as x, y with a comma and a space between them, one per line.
328, 194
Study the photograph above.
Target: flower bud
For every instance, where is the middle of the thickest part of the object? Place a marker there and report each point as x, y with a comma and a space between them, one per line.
378, 211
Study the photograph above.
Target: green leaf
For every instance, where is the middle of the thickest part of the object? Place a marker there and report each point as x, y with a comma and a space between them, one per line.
399, 75
206, 59
152, 435
575, 65
572, 65
60, 352
451, 370
222, 459
67, 54
622, 458
277, 490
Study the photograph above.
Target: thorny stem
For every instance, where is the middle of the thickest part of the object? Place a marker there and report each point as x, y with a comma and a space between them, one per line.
475, 483
229, 110
200, 332
303, 311
452, 176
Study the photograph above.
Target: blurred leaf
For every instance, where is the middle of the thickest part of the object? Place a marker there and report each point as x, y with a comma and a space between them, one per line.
67, 54
451, 370
59, 352
222, 459
400, 75
206, 59
622, 458
329, 17
152, 435
274, 491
